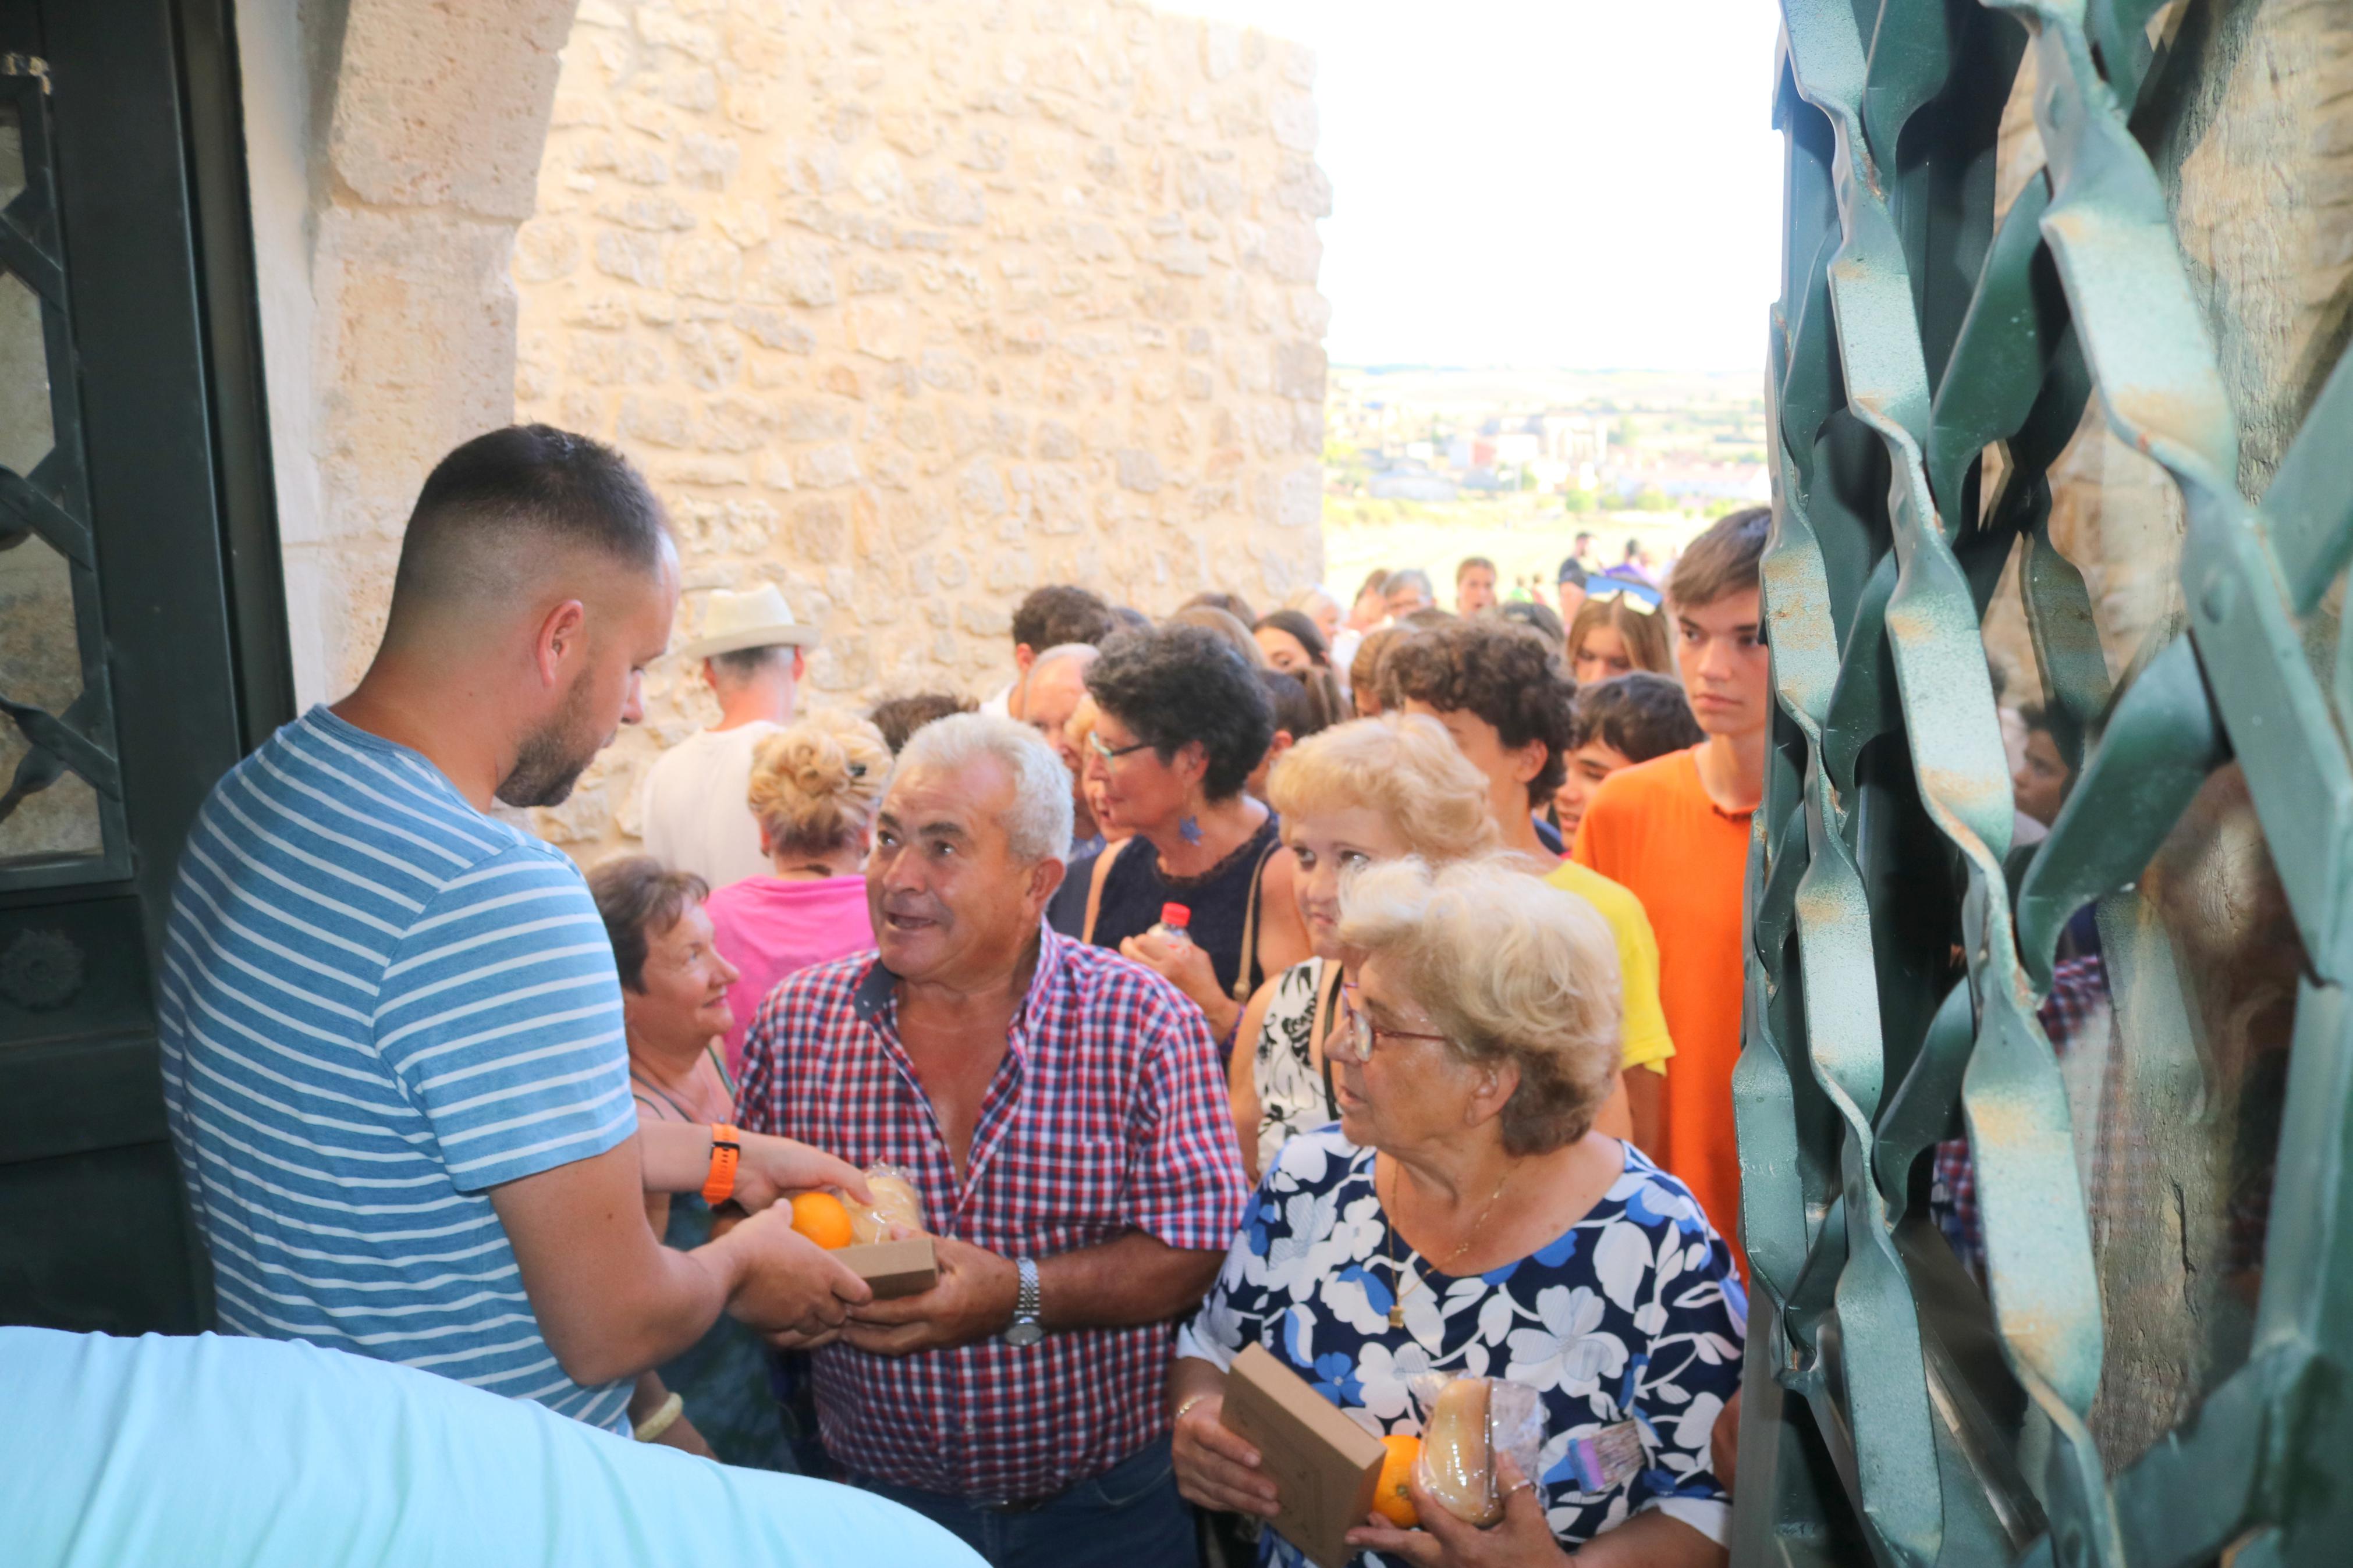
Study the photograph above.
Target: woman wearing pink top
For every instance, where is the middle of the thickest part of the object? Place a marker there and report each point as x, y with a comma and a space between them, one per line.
814, 790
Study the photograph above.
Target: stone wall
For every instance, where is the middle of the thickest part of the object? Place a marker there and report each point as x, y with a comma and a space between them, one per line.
909, 308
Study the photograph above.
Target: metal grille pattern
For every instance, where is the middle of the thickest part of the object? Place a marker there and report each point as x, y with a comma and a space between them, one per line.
1899, 945
51, 503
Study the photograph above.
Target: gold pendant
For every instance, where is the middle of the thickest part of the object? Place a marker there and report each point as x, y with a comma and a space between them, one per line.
1396, 1316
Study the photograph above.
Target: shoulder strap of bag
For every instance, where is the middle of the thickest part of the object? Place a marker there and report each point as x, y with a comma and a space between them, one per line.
1095, 886
1247, 974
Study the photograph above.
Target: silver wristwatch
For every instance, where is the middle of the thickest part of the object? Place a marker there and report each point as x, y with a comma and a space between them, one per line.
1025, 1329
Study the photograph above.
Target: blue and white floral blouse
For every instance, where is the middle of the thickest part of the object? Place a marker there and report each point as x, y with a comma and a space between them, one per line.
1634, 1314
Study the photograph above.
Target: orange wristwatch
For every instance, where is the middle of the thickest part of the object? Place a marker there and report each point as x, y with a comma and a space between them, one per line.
726, 1149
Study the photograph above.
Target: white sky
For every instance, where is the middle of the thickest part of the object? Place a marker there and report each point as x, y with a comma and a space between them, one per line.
1587, 183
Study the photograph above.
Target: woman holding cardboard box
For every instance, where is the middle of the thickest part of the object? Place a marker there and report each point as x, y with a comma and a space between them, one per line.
1465, 1219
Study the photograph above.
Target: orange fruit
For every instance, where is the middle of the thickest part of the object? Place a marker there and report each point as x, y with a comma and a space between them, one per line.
821, 1218
1390, 1498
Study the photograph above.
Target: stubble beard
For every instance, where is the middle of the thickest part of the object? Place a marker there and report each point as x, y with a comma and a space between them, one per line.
552, 757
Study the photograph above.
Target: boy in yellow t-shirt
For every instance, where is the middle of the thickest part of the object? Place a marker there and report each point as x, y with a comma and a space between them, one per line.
1500, 693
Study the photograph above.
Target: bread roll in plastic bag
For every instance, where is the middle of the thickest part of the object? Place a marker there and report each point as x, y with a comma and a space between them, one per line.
896, 1203
1471, 1421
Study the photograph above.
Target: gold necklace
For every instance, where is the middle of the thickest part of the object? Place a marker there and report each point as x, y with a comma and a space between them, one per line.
1397, 1268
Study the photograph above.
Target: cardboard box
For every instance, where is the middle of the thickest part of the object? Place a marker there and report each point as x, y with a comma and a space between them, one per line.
894, 1269
1324, 1464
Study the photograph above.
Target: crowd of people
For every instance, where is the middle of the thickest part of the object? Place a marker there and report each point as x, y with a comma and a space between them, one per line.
1361, 981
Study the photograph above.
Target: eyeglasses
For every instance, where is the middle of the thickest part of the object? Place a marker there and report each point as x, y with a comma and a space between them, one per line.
1109, 752
1642, 600
1358, 1035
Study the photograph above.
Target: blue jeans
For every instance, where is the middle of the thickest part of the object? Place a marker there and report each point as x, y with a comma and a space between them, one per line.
1128, 1517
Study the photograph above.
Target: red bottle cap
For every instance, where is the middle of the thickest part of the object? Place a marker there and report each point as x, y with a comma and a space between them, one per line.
1176, 915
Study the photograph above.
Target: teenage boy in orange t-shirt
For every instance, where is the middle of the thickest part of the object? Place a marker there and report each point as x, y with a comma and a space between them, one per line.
1674, 832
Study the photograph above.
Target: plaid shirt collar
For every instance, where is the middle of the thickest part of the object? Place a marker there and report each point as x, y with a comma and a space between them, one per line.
876, 1000
876, 1003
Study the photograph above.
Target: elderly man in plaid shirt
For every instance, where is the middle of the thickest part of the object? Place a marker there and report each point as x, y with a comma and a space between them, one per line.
1063, 1112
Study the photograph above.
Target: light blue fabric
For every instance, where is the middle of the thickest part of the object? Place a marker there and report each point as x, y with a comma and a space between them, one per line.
377, 1003
121, 1453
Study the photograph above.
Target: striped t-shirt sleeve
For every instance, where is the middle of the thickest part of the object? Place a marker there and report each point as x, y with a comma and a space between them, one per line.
501, 1016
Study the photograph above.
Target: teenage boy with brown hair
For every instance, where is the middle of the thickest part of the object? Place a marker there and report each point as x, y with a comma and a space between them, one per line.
1674, 832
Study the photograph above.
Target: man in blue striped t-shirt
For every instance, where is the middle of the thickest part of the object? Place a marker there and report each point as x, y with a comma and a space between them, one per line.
393, 1051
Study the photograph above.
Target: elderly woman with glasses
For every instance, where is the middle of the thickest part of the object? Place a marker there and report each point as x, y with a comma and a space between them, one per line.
1465, 1217
1181, 721
1620, 627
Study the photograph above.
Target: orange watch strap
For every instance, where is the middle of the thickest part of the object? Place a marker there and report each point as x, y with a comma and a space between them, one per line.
726, 1149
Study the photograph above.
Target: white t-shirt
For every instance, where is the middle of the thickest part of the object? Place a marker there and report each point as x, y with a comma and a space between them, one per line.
697, 817
1000, 701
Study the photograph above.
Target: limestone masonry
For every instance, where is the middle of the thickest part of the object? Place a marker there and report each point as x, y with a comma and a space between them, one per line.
909, 308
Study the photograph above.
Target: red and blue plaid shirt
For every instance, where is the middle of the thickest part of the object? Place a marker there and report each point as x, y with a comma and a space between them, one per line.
1109, 1113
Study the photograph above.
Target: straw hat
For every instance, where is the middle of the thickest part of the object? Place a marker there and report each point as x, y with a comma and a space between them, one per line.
733, 622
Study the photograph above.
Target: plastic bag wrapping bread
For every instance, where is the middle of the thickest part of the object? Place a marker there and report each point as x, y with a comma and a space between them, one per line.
1471, 1422
896, 1203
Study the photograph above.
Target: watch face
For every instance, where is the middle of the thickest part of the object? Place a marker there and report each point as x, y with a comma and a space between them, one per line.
1024, 1334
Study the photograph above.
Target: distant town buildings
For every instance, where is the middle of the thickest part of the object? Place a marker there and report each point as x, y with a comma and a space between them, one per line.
1620, 438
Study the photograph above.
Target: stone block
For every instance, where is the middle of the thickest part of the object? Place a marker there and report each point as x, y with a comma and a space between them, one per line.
1292, 117
621, 253
797, 272
881, 330
546, 249
706, 268
1299, 370
827, 467
447, 106
1138, 470
819, 532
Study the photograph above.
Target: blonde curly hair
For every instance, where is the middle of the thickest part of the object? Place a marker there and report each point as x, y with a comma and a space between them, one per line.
1403, 766
1509, 968
816, 785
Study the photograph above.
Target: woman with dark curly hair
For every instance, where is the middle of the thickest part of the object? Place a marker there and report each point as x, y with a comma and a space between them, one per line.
1181, 720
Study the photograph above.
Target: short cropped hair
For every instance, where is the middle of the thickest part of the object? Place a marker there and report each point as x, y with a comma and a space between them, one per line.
1060, 612
1368, 670
1639, 715
1539, 618
1510, 969
1305, 600
1467, 563
741, 666
1504, 674
900, 717
815, 785
1376, 581
500, 500
1403, 766
1222, 624
1724, 560
1038, 827
1412, 577
640, 898
1180, 685
1233, 605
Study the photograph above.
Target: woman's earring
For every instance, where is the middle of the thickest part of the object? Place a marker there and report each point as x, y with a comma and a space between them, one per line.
1190, 830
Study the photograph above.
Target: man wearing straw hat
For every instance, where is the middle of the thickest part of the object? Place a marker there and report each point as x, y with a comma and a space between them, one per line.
695, 811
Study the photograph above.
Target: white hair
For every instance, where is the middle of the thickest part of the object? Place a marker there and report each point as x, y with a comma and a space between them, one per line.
1038, 825
1085, 653
1509, 968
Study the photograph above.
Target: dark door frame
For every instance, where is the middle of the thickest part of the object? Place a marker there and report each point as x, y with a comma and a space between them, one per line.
146, 118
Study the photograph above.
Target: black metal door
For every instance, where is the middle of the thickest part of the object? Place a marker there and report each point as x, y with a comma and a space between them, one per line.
142, 623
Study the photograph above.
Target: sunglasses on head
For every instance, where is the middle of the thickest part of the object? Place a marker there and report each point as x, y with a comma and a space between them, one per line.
1642, 600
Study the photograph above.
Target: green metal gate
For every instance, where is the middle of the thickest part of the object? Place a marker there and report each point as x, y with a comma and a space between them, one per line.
1929, 366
